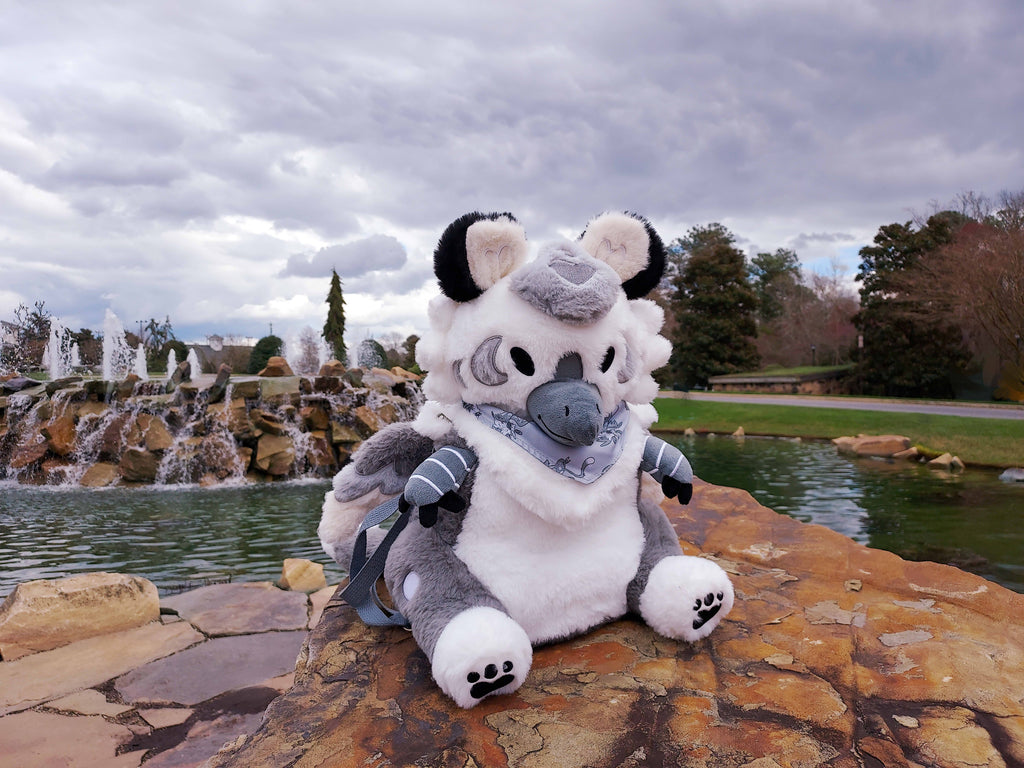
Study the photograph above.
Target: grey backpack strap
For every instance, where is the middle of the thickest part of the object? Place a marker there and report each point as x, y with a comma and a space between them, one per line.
361, 592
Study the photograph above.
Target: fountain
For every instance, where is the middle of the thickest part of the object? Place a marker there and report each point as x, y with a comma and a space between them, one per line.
193, 361
60, 358
172, 362
118, 357
140, 363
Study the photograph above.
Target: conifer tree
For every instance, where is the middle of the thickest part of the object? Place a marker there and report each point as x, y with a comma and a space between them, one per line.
334, 327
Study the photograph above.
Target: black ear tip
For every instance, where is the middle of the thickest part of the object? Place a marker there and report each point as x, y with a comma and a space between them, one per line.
451, 266
648, 278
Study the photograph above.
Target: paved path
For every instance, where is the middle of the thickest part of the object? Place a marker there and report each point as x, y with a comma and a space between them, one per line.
168, 694
970, 410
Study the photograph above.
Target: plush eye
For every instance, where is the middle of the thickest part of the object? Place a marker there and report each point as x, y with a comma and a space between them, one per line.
609, 358
522, 361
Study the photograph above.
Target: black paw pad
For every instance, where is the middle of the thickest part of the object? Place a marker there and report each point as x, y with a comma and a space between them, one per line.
489, 681
707, 608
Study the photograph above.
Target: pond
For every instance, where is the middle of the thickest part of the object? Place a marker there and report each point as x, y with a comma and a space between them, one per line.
180, 537
970, 519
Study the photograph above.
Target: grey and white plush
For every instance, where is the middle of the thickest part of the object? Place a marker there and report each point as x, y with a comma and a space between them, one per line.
525, 463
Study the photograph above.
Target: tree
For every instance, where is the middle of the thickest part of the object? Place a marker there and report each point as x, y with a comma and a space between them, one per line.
372, 354
334, 327
308, 360
775, 278
266, 348
714, 304
906, 353
977, 282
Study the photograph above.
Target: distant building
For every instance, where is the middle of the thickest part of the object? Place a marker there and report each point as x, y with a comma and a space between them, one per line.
216, 352
821, 382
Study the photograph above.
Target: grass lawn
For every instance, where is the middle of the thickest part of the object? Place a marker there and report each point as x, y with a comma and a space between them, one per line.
986, 442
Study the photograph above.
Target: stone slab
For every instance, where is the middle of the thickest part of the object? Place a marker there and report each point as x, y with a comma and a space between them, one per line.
318, 601
204, 739
165, 717
827, 644
241, 608
43, 739
88, 702
51, 674
214, 667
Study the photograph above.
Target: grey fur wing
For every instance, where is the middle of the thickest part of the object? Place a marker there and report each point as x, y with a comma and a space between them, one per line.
383, 463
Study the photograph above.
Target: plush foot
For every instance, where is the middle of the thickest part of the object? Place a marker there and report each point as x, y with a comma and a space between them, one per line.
686, 597
482, 652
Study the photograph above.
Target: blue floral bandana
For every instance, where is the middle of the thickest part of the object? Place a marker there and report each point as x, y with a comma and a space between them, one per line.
585, 464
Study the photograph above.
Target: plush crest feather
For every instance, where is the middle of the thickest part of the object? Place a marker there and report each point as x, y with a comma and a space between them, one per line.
476, 251
628, 244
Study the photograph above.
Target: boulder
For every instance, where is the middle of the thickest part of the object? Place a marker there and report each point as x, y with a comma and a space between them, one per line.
219, 387
44, 614
332, 368
948, 462
275, 455
834, 654
1013, 475
138, 465
883, 446
100, 475
60, 435
301, 575
276, 366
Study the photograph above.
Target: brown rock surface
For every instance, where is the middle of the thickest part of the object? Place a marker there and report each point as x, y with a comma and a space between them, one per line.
277, 366
872, 445
835, 654
241, 609
301, 575
44, 614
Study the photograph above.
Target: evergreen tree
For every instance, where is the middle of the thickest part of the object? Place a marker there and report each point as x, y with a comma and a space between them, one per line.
334, 327
905, 353
776, 279
714, 304
266, 348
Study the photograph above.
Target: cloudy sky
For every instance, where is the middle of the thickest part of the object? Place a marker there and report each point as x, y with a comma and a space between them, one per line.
211, 162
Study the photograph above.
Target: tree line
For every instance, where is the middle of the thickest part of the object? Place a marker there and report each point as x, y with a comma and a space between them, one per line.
939, 309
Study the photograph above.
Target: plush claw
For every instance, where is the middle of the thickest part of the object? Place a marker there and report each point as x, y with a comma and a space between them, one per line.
672, 488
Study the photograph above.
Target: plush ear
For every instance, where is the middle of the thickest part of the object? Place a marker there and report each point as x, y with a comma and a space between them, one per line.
476, 251
628, 244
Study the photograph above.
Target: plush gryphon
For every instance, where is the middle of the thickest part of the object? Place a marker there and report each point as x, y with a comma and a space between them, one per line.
523, 467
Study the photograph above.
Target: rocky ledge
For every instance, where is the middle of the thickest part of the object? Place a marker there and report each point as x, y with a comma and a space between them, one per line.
835, 654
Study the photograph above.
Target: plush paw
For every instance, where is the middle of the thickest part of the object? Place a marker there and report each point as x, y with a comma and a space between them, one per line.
686, 597
480, 653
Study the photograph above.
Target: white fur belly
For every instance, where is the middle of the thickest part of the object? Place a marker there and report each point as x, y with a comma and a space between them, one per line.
553, 581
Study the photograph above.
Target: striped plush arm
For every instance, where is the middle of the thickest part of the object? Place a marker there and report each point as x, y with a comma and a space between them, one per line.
435, 482
666, 464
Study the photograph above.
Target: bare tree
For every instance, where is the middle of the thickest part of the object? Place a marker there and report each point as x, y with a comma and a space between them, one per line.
308, 362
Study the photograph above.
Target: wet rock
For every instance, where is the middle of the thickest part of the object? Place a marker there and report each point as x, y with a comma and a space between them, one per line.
277, 366
58, 384
44, 614
60, 435
18, 384
100, 475
948, 462
301, 575
805, 671
275, 455
219, 387
138, 465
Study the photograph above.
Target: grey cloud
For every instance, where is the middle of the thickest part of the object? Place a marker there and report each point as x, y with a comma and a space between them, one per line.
371, 254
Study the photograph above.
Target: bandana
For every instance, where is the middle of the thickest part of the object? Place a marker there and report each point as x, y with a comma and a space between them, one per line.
585, 463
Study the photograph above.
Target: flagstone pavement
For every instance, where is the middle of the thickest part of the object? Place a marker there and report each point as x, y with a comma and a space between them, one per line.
169, 693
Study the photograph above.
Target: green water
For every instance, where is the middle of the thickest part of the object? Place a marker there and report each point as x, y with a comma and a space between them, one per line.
970, 519
183, 536
175, 536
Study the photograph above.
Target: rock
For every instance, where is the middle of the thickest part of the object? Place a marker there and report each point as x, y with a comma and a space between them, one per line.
58, 384
872, 445
275, 455
910, 454
803, 672
211, 668
165, 717
40, 615
204, 738
88, 702
276, 366
49, 675
332, 368
156, 436
42, 739
948, 462
689, 432
100, 475
301, 575
18, 384
367, 421
60, 435
739, 432
219, 387
1013, 475
182, 373
315, 418
139, 465
238, 609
